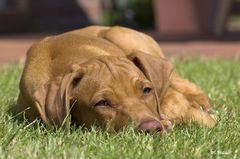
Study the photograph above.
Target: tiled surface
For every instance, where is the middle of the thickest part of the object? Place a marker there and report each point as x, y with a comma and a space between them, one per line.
14, 48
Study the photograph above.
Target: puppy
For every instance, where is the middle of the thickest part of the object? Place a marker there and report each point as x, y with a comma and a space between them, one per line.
108, 77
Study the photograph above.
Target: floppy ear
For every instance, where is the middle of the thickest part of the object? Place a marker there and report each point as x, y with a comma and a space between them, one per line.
158, 70
53, 98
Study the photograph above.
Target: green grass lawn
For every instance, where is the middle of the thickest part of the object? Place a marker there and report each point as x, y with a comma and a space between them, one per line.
219, 78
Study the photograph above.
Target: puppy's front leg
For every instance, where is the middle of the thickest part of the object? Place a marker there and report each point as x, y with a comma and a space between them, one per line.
192, 93
177, 108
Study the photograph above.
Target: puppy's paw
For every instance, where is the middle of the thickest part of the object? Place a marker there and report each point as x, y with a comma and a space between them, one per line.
199, 101
203, 118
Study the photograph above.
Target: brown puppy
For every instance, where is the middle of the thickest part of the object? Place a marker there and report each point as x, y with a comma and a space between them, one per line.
108, 76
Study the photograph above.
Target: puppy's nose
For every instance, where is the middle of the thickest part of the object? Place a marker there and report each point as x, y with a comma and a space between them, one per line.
152, 127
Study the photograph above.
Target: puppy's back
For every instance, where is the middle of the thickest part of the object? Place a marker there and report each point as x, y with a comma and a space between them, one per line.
124, 38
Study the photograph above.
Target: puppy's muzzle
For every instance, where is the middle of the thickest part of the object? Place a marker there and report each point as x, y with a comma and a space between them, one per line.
153, 127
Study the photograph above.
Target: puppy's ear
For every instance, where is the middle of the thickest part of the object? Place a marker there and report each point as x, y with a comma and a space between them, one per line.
158, 70
53, 98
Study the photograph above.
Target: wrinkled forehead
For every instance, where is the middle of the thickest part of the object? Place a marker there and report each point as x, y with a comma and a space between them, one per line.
112, 67
105, 75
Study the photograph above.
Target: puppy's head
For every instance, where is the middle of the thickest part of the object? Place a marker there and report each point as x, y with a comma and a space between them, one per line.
109, 92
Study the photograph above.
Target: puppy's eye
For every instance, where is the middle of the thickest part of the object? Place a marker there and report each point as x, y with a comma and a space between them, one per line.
147, 90
102, 102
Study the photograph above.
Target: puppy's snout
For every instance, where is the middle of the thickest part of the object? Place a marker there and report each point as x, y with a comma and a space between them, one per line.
152, 127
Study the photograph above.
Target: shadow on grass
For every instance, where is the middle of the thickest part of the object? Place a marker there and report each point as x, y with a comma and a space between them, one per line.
15, 113
19, 117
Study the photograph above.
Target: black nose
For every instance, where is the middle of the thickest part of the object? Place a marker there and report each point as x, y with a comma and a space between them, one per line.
152, 127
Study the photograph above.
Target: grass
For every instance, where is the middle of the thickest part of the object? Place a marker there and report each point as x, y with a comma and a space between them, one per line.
220, 78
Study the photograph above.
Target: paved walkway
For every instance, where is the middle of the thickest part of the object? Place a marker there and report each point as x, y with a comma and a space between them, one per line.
14, 48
